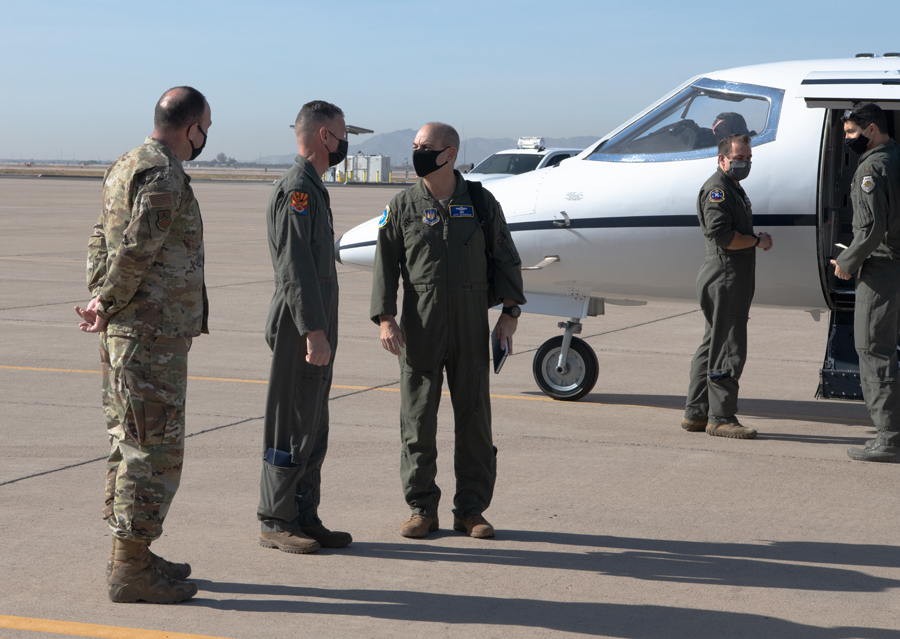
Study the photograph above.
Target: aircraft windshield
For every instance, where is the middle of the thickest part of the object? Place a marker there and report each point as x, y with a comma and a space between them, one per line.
691, 124
510, 163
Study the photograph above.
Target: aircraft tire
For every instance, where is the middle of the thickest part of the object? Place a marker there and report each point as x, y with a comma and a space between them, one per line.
569, 385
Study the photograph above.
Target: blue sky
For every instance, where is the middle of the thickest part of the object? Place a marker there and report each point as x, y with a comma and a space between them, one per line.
80, 78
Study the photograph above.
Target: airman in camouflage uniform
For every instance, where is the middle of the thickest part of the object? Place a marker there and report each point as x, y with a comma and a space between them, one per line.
874, 257
145, 274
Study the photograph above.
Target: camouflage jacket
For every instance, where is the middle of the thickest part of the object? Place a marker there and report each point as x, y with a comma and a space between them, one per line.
145, 256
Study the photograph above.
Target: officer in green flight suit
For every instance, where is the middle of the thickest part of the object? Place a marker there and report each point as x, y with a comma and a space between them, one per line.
874, 257
444, 237
302, 331
725, 288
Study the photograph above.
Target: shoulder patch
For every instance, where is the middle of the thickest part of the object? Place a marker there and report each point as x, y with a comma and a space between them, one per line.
163, 220
431, 217
300, 203
867, 184
716, 195
385, 216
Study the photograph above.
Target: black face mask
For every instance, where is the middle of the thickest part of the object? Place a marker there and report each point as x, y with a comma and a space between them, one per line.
858, 144
195, 151
425, 162
739, 169
338, 156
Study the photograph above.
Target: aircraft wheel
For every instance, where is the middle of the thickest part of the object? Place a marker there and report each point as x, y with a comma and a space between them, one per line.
576, 380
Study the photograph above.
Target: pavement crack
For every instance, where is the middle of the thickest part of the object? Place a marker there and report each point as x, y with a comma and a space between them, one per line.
199, 432
268, 281
13, 308
364, 390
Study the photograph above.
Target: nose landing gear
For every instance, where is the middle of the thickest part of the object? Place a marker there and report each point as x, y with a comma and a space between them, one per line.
565, 367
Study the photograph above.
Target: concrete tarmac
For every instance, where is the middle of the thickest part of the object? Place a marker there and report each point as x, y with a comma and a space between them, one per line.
611, 520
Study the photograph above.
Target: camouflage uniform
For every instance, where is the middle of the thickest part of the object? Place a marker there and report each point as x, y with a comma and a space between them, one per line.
440, 254
874, 256
145, 265
301, 245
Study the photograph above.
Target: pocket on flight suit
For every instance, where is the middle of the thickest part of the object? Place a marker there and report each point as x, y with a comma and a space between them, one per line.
878, 357
416, 324
278, 489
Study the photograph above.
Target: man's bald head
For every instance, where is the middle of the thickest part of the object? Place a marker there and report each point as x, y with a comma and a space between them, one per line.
444, 133
178, 108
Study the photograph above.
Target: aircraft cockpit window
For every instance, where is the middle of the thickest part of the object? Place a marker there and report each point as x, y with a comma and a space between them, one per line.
690, 124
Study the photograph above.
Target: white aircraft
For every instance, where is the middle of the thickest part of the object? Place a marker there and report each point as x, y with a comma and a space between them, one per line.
618, 223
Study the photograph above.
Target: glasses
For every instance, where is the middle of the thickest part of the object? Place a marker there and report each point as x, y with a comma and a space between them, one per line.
337, 136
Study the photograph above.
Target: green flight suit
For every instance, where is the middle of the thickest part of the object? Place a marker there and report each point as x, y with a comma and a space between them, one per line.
725, 287
440, 254
301, 244
874, 256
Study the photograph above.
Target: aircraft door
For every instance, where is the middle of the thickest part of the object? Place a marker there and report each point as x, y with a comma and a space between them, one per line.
836, 92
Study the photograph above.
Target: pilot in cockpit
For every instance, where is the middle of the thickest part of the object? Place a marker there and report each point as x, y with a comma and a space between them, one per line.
725, 124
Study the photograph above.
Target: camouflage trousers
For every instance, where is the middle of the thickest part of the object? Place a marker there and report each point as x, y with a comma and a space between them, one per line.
144, 383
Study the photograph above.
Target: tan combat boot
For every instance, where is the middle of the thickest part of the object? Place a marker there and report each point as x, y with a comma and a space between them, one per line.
693, 426
731, 429
292, 541
178, 572
473, 525
134, 578
419, 526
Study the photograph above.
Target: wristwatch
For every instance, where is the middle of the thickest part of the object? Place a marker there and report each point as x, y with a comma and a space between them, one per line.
758, 239
512, 311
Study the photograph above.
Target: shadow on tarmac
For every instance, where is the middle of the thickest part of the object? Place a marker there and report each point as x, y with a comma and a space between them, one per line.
824, 411
765, 565
609, 620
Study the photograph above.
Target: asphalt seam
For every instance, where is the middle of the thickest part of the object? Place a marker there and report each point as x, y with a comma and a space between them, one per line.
199, 432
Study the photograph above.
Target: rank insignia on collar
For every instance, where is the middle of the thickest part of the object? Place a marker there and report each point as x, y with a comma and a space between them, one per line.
163, 220
300, 203
867, 184
462, 211
385, 216
431, 217
716, 195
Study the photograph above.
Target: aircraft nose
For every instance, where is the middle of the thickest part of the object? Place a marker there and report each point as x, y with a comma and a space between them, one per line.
337, 250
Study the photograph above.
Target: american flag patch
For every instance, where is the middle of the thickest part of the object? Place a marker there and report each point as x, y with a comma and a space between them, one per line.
160, 199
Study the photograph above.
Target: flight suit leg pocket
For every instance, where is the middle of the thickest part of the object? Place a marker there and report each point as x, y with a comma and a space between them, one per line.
277, 492
875, 339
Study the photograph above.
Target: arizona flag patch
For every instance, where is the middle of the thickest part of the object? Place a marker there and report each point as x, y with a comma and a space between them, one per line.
716, 195
300, 203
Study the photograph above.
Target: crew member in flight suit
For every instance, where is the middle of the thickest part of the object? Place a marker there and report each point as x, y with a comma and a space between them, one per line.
725, 288
302, 332
434, 236
874, 257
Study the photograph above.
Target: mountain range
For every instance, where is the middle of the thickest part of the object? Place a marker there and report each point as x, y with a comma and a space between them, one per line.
398, 146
